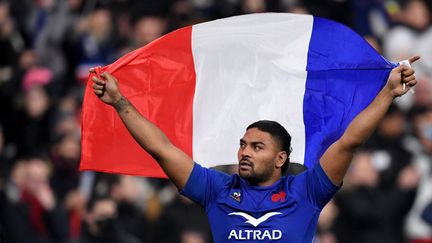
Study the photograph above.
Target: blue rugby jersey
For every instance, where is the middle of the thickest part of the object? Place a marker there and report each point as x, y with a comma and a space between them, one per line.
286, 211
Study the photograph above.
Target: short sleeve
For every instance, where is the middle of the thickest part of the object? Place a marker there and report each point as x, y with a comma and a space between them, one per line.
204, 184
319, 186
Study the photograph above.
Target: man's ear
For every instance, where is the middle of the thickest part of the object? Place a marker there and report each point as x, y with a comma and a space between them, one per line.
282, 158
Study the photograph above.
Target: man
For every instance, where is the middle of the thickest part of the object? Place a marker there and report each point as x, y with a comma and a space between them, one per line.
258, 204
100, 224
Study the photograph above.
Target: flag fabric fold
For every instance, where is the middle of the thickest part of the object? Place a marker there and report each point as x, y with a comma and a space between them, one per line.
203, 84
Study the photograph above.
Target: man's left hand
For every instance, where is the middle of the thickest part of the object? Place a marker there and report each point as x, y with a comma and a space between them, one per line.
402, 79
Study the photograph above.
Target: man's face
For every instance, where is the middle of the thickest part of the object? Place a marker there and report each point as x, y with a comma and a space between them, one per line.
258, 155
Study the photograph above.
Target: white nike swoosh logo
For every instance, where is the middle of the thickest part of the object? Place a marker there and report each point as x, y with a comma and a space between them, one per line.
253, 221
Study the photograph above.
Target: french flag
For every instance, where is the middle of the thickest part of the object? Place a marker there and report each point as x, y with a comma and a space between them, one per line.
204, 84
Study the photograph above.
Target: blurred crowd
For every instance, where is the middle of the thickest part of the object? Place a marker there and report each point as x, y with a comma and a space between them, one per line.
46, 48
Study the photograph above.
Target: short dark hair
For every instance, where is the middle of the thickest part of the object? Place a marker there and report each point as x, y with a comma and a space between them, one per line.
278, 132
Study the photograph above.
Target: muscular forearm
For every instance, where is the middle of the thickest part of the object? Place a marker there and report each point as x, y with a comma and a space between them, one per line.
365, 123
176, 164
148, 135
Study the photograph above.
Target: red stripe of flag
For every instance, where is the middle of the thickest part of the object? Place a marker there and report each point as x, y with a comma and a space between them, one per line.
159, 79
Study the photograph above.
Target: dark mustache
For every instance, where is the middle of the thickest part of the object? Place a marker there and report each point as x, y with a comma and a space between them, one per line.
245, 158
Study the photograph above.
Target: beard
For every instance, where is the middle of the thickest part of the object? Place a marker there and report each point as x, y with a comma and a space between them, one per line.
253, 176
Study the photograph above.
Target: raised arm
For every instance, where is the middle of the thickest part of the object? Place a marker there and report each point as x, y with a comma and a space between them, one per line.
337, 158
176, 164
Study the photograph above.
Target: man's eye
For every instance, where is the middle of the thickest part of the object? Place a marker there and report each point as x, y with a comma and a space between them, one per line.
258, 148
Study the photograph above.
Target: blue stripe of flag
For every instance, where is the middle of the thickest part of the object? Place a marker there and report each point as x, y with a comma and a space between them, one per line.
344, 74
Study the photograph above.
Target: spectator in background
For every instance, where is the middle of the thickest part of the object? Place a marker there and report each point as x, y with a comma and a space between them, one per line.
65, 156
48, 26
125, 191
75, 205
34, 121
11, 46
67, 117
387, 146
388, 177
147, 29
183, 13
94, 46
370, 17
417, 229
253, 6
30, 208
326, 222
196, 230
100, 224
66, 122
9, 196
368, 213
412, 34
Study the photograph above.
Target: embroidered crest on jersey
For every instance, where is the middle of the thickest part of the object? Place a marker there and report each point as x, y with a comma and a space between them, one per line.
236, 196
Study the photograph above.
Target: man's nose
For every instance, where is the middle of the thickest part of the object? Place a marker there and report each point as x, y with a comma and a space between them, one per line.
245, 152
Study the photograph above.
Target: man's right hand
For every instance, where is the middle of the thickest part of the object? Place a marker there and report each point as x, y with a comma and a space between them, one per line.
106, 88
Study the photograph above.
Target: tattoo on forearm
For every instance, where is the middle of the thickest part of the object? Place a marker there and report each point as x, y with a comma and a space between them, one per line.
121, 104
